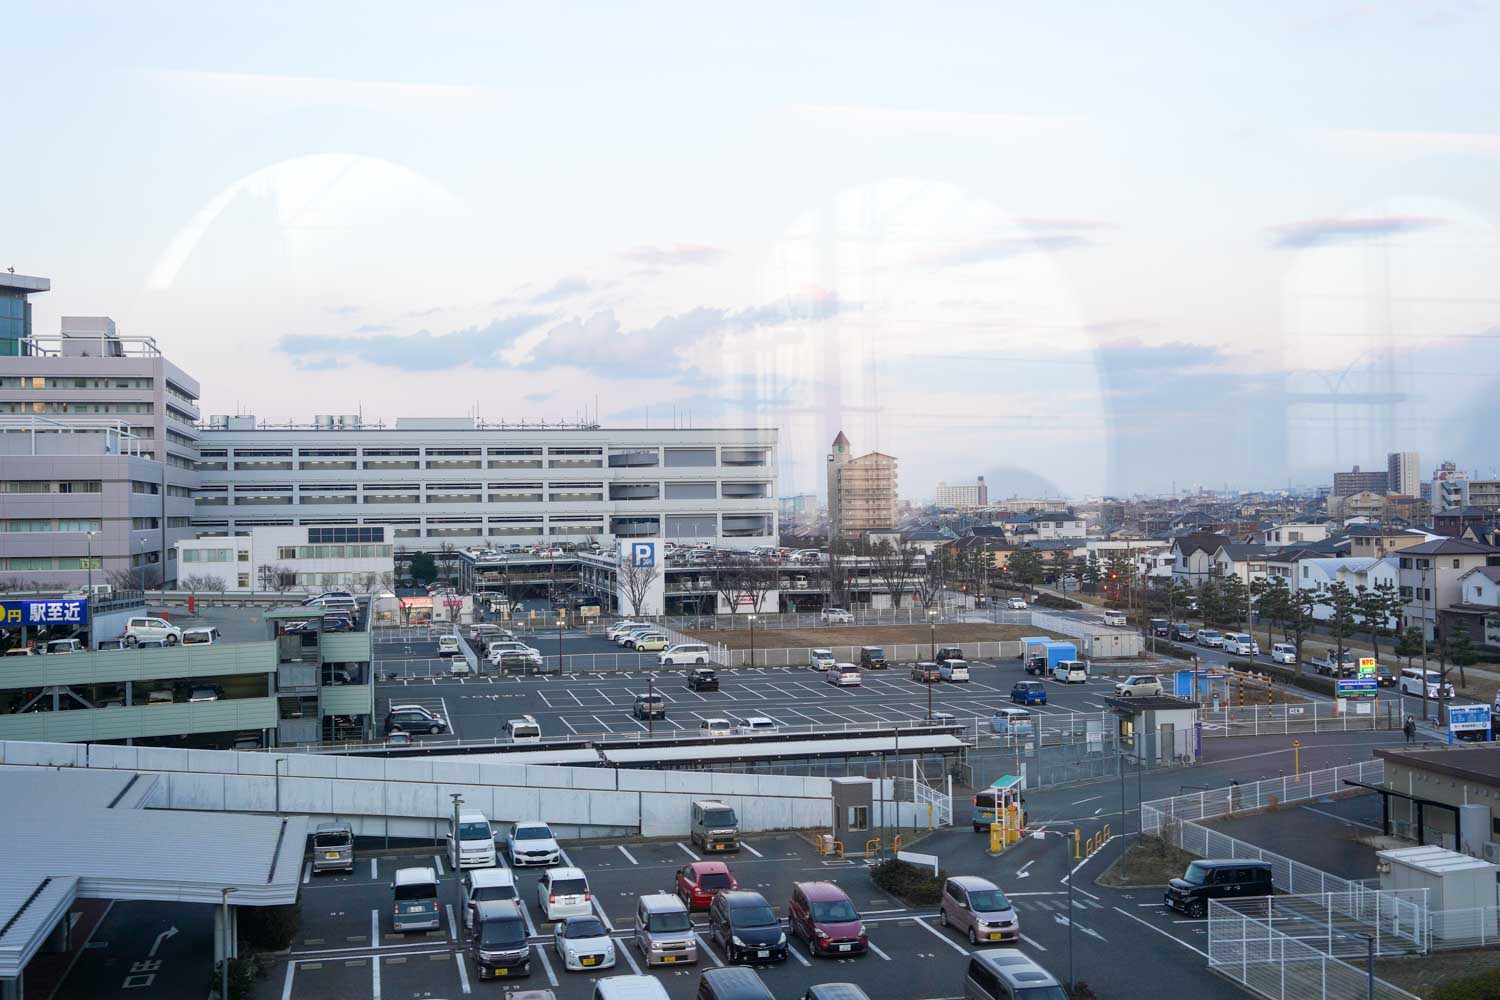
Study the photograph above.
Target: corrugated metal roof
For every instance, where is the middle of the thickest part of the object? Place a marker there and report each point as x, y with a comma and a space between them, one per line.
85, 834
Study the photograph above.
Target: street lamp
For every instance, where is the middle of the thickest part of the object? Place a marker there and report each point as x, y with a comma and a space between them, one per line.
458, 800
143, 569
752, 640
932, 634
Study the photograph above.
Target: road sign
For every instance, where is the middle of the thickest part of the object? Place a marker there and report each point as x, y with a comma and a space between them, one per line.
1355, 688
1366, 667
1468, 718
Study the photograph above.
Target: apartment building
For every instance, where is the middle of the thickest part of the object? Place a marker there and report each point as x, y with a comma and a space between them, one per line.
1430, 575
99, 443
1402, 473
1450, 488
306, 560
431, 482
1349, 483
961, 496
861, 491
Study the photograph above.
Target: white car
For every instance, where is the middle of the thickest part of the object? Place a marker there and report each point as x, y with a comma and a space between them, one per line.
506, 646
715, 727
1241, 644
628, 637
151, 628
1016, 604
683, 652
582, 943
1284, 652
532, 843
755, 725
837, 616
1114, 618
1411, 683
562, 893
619, 628
1210, 638
447, 645
821, 659
1142, 685
649, 640
956, 671
1070, 671
844, 675
484, 884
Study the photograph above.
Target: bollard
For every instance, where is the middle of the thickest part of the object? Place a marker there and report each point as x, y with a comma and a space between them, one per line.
896, 843
1076, 834
872, 846
837, 848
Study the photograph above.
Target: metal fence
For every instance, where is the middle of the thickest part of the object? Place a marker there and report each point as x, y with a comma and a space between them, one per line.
889, 616
1471, 928
1277, 965
1346, 924
1066, 756
900, 653
1312, 717
1214, 802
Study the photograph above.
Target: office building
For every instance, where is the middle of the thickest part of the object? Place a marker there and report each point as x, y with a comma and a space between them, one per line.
435, 482
15, 311
298, 560
99, 443
861, 491
1402, 473
961, 496
1346, 484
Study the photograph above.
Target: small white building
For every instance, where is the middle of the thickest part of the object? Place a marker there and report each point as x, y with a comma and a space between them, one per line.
1317, 575
291, 559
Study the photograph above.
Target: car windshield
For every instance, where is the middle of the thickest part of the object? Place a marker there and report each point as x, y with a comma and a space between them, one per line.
474, 831
502, 933
875, 652
988, 900
488, 892
714, 880
673, 920
840, 911
586, 927
331, 840
1041, 993
569, 887
719, 817
1196, 874
753, 916
532, 833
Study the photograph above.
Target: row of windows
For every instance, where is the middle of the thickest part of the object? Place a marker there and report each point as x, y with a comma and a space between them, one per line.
326, 536
52, 486
190, 555
22, 525
32, 563
71, 407
71, 382
334, 551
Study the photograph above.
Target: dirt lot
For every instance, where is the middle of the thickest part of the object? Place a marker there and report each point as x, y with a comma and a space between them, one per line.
1149, 861
865, 635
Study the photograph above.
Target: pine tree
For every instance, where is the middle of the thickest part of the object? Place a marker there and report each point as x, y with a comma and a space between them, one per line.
1342, 607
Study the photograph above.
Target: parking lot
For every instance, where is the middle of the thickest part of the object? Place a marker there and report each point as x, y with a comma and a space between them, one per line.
575, 704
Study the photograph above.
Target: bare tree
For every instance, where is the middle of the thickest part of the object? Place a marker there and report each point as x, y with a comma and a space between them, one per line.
276, 578
728, 584
447, 555
929, 588
636, 581
388, 580
896, 567
756, 583
206, 582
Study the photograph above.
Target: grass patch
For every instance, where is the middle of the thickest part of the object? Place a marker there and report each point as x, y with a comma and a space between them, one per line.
1460, 975
913, 884
1147, 861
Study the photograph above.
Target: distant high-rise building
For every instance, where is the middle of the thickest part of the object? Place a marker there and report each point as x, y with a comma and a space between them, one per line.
801, 507
962, 496
861, 491
1402, 473
1450, 488
15, 311
1346, 484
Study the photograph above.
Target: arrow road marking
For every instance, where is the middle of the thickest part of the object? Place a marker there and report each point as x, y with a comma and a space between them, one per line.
169, 932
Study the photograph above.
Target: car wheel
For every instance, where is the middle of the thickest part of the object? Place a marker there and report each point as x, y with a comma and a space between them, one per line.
973, 938
1197, 910
171, 640
698, 660
433, 730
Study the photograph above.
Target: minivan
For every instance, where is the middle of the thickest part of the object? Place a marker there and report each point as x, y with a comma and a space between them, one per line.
1241, 644
715, 826
872, 658
1113, 617
1007, 974
664, 931
683, 652
497, 939
1284, 652
1016, 721
1204, 880
732, 984
447, 645
976, 907
823, 915
474, 846
415, 903
746, 927
626, 988
333, 847
946, 653
649, 706
523, 730
485, 885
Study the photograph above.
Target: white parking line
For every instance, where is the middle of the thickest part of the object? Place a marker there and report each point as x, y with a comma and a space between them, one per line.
704, 947
628, 856
605, 724
1158, 930
546, 964
438, 859
375, 977
526, 915
688, 851
463, 971
452, 730
623, 948
871, 945
452, 924
1028, 940
942, 937
306, 872
286, 989
751, 849
797, 955
374, 870
374, 928
599, 909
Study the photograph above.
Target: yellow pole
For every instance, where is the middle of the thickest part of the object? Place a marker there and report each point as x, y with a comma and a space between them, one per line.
1296, 758
1076, 841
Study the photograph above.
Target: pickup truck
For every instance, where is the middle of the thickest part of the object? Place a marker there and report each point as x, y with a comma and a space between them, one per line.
1328, 664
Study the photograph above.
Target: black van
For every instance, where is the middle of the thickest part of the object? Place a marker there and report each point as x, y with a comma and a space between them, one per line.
873, 658
1205, 880
732, 984
946, 653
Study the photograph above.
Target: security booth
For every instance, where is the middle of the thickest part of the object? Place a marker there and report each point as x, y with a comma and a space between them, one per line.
853, 810
999, 809
1160, 729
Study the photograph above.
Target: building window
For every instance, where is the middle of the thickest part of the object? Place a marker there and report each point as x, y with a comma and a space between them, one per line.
243, 579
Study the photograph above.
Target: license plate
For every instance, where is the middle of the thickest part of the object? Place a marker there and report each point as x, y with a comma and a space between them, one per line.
501, 971
994, 937
331, 855
589, 961
669, 958
844, 947
762, 954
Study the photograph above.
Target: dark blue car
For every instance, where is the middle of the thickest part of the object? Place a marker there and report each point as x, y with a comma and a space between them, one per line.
1029, 693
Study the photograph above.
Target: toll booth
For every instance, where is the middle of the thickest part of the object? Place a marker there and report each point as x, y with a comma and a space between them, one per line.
854, 812
999, 807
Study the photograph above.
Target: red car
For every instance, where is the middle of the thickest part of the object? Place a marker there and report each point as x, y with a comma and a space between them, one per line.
699, 882
822, 915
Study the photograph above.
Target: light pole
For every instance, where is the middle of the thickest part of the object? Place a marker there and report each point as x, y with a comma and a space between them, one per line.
90, 544
1072, 982
752, 640
279, 762
224, 941
650, 705
458, 800
143, 569
932, 634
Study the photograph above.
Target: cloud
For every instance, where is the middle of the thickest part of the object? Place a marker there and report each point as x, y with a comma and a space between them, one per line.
316, 364
988, 251
1327, 232
1132, 356
538, 397
676, 255
424, 313
565, 288
373, 328
478, 346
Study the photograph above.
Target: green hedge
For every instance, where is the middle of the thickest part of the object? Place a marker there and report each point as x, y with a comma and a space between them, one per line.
910, 882
1484, 986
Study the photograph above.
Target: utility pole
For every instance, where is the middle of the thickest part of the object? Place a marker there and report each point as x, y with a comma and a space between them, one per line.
453, 833
650, 705
1424, 640
225, 942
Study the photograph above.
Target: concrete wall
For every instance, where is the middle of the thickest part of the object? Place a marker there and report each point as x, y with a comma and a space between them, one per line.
406, 798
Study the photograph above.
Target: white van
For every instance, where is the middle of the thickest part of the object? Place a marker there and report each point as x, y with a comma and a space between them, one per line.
1112, 617
473, 845
448, 645
523, 730
683, 652
1284, 652
630, 988
1240, 644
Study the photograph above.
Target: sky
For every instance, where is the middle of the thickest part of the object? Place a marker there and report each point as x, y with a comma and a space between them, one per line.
1078, 251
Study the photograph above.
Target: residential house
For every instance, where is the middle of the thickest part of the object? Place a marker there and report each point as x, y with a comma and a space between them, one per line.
1367, 504
1478, 609
1194, 557
1046, 525
1429, 575
1453, 523
1376, 541
1295, 533
1485, 534
1318, 575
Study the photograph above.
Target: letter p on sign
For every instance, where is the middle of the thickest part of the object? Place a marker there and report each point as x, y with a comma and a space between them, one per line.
643, 554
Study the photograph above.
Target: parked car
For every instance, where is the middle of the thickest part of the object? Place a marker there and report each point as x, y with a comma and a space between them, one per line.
837, 616
415, 900
649, 706
844, 675
977, 908
619, 628
683, 652
1284, 652
872, 658
715, 727
1139, 685
926, 673
699, 882
65, 646
733, 983
138, 629
1238, 878
483, 885
1016, 604
447, 645
1411, 683
562, 893
413, 719
1028, 693
1183, 632
531, 842
654, 641
946, 653
207, 693
205, 635
1006, 974
1211, 638
583, 943
820, 659
823, 916
1114, 617
497, 940
746, 928
1013, 721
703, 680
518, 661
1070, 671
755, 725
333, 847
664, 930
954, 671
